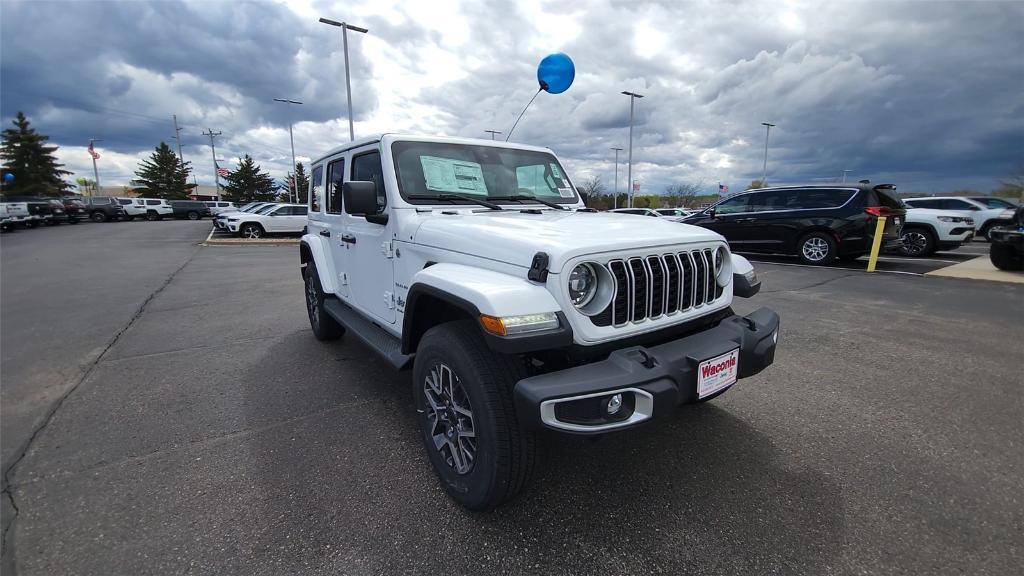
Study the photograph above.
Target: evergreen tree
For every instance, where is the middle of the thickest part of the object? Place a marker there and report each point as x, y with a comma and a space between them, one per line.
249, 184
162, 175
25, 154
302, 182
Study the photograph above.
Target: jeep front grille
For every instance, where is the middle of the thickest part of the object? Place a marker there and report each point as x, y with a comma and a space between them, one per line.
648, 287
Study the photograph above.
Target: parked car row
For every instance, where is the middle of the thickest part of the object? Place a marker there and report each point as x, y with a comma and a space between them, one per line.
29, 212
258, 219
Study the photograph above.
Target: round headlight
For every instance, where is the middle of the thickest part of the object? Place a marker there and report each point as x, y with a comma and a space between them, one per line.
723, 266
720, 256
582, 284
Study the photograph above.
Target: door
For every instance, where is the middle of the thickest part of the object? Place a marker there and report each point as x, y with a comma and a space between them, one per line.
325, 221
730, 220
369, 245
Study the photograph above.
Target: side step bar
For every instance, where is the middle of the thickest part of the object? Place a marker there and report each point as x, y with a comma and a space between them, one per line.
384, 344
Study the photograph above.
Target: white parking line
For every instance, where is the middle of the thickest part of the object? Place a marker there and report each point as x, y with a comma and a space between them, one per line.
212, 230
911, 259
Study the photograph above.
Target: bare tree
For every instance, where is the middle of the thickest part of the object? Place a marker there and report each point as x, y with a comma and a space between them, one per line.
683, 192
592, 187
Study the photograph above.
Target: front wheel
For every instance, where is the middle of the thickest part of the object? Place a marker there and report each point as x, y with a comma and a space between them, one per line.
252, 231
193, 215
324, 326
917, 242
1005, 258
463, 394
817, 248
98, 216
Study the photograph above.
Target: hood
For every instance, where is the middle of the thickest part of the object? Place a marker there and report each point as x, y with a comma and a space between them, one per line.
925, 214
513, 237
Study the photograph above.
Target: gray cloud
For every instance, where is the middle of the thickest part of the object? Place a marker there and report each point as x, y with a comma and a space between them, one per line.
923, 94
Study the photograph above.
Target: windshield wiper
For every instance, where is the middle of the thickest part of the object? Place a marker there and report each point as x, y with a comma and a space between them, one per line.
531, 199
451, 197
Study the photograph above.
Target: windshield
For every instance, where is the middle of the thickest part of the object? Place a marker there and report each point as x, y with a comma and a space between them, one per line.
485, 172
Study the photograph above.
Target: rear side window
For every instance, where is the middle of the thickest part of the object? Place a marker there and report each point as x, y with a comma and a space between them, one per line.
152, 202
821, 198
316, 188
335, 178
298, 210
367, 167
954, 204
124, 202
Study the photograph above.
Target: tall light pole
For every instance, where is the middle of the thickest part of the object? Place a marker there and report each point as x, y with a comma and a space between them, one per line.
295, 183
629, 178
348, 81
213, 154
615, 194
764, 176
493, 133
844, 175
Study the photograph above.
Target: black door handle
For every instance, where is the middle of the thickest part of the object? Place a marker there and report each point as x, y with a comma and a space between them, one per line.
326, 233
350, 239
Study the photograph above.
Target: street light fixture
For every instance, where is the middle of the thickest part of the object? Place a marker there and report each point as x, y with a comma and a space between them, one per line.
764, 176
493, 133
348, 82
629, 178
615, 194
295, 183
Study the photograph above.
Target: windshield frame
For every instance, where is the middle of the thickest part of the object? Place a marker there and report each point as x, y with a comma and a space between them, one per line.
397, 147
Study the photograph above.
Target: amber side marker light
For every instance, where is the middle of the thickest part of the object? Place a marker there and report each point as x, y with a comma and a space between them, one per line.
511, 325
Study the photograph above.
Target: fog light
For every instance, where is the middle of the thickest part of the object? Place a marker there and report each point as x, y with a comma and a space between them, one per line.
614, 404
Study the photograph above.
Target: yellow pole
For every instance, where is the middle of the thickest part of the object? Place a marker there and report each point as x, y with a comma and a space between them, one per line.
876, 244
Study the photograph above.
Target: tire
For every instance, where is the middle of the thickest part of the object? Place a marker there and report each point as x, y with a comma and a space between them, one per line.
252, 231
917, 242
1005, 258
30, 225
458, 379
152, 216
816, 248
987, 230
128, 218
193, 215
98, 216
324, 327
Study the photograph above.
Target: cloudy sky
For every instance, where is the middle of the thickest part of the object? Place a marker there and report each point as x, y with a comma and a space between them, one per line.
929, 95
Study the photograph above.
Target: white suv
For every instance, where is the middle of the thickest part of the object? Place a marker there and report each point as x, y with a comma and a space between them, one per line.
157, 208
469, 262
927, 230
281, 219
985, 218
216, 207
132, 207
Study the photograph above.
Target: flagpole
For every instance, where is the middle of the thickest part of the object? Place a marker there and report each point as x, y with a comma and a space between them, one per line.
95, 172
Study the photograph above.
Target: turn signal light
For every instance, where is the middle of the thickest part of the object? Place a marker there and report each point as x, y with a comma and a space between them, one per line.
511, 325
878, 210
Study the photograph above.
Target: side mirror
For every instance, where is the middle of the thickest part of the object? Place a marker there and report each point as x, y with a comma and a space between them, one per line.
360, 197
711, 212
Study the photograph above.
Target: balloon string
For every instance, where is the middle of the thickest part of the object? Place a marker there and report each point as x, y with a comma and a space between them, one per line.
521, 114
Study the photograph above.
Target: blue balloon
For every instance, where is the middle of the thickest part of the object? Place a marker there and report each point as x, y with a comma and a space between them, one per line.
8, 177
555, 73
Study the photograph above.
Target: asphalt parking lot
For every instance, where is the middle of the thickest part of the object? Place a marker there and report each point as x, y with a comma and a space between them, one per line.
177, 416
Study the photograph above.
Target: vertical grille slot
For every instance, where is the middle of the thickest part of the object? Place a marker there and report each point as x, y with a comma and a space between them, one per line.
657, 271
621, 303
700, 280
687, 271
673, 283
641, 289
709, 258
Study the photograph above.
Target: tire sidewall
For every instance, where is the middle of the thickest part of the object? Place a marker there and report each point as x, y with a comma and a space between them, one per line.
470, 490
98, 217
929, 245
256, 227
832, 249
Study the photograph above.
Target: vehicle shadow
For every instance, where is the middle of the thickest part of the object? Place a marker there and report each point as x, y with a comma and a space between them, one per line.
344, 484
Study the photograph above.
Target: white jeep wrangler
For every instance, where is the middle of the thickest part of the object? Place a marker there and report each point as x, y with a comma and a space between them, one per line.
467, 261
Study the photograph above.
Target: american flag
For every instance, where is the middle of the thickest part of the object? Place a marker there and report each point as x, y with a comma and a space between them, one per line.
722, 188
92, 152
223, 173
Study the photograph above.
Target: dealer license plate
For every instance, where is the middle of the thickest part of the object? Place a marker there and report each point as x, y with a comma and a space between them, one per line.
717, 373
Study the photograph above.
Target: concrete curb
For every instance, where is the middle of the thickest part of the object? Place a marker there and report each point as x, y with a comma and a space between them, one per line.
979, 268
241, 242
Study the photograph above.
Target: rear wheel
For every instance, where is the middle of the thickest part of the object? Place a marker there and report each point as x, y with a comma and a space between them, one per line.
817, 248
252, 231
1005, 257
463, 394
193, 215
324, 326
98, 216
917, 242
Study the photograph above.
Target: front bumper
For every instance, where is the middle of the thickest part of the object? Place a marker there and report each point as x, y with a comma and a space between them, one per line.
653, 380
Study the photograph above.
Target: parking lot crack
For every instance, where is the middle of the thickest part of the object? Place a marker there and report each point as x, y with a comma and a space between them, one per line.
814, 285
6, 545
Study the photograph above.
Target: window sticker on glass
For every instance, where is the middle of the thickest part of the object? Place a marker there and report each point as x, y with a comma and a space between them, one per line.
555, 172
565, 192
448, 175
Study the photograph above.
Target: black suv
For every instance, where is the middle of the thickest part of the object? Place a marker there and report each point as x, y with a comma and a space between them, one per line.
103, 208
816, 223
1007, 249
190, 209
